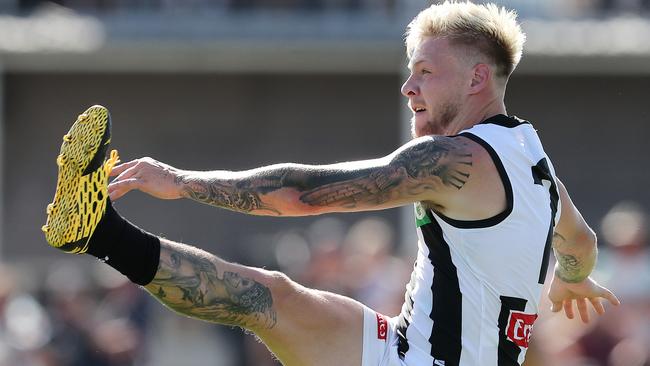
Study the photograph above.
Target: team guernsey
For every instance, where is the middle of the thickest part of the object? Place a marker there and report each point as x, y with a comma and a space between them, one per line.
475, 288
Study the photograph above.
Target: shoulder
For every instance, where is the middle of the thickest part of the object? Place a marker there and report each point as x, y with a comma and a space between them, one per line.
434, 147
460, 174
443, 163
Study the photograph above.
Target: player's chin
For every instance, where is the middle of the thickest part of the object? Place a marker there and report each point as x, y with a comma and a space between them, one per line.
423, 129
414, 133
418, 128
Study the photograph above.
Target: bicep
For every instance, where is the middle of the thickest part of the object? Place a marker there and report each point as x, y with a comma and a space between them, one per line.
421, 170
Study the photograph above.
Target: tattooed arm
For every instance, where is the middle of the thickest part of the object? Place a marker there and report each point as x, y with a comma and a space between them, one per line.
197, 284
574, 244
425, 169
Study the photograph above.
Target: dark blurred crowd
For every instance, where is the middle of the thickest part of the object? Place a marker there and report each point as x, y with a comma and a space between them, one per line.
82, 313
624, 6
525, 7
69, 317
166, 5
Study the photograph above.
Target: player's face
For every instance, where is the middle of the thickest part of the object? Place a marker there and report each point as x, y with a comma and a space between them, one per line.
434, 87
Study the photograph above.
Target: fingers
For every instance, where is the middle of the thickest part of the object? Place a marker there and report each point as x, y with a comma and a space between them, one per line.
582, 310
568, 308
598, 305
610, 297
118, 189
128, 173
556, 306
118, 169
588, 292
124, 182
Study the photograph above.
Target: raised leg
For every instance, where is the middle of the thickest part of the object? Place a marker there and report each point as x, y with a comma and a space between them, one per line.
300, 326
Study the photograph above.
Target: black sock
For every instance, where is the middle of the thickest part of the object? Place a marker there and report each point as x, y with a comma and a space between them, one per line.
132, 251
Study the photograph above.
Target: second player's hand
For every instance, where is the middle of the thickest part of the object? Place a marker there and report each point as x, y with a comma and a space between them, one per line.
147, 175
563, 294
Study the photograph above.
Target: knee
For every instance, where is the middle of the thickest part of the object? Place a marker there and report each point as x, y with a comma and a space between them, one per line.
285, 292
280, 284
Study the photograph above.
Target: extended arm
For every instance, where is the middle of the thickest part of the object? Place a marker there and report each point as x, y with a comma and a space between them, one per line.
574, 245
423, 169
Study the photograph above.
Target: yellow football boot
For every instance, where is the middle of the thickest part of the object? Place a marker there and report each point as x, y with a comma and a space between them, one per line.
81, 190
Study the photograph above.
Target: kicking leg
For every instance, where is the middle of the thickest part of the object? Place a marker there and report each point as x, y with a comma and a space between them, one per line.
300, 326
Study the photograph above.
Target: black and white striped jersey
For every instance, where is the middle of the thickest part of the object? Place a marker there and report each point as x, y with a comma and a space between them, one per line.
475, 288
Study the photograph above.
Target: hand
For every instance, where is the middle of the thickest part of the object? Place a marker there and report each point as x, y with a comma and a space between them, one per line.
562, 295
148, 175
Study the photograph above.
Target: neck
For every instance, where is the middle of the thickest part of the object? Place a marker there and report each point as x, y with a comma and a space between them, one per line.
472, 116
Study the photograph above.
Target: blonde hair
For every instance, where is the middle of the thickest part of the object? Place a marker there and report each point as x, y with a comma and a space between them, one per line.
491, 30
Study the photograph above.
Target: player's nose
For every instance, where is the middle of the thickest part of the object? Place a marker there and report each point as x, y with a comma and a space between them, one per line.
409, 88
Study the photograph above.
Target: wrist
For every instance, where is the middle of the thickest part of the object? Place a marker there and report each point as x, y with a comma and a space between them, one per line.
183, 180
569, 277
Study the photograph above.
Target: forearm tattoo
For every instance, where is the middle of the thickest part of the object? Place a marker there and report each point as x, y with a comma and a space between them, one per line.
191, 284
242, 197
569, 268
428, 164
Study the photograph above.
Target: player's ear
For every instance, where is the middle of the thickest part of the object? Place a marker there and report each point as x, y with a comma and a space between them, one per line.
481, 74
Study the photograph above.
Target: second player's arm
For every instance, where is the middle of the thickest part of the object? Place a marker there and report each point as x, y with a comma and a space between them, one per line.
423, 169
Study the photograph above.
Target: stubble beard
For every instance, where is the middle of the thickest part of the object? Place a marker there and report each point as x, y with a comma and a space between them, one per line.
438, 124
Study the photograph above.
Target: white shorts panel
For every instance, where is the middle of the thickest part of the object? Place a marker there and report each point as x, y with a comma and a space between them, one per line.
379, 340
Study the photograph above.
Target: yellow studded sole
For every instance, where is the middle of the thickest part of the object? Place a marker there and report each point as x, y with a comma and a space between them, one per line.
81, 190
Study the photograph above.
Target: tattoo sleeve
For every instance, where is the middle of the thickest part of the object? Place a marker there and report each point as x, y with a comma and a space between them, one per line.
426, 164
190, 282
572, 267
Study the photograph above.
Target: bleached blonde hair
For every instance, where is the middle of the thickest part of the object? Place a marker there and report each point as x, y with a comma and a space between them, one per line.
487, 28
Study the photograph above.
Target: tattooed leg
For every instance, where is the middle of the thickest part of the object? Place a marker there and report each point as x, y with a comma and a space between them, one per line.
195, 283
300, 326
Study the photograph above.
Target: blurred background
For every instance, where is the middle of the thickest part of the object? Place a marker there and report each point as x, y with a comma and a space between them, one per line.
235, 84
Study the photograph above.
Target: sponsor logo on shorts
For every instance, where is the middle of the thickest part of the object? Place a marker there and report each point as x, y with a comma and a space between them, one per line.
382, 327
520, 328
438, 362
